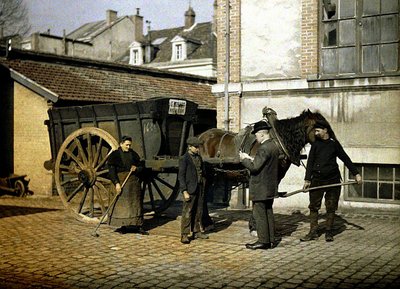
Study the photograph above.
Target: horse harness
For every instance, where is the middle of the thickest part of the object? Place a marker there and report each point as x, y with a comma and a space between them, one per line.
270, 116
218, 154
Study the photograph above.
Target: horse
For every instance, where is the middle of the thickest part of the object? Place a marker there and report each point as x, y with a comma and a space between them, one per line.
290, 135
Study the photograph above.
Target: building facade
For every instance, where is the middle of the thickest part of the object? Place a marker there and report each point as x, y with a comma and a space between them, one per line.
104, 40
338, 57
190, 48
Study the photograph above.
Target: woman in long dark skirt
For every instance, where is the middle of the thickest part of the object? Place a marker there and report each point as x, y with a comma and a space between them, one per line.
127, 213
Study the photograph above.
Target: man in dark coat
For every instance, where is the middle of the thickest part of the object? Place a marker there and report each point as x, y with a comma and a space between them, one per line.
263, 185
127, 212
322, 169
191, 185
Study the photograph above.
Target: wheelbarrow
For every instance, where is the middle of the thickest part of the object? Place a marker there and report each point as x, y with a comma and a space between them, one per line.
16, 185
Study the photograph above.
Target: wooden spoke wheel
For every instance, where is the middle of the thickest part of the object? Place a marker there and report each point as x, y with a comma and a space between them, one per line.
159, 189
81, 173
20, 188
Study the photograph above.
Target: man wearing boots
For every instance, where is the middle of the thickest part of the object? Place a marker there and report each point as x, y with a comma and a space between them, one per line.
263, 185
191, 185
322, 169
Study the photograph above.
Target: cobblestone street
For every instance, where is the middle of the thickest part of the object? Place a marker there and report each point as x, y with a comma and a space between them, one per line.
42, 246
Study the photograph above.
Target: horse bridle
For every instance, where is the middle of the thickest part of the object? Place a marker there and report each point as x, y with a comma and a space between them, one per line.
241, 146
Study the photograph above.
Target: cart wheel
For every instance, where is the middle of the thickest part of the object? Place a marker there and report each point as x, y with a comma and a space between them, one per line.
159, 189
81, 174
20, 188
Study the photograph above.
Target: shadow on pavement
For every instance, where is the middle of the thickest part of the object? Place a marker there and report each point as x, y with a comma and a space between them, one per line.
286, 224
339, 226
10, 211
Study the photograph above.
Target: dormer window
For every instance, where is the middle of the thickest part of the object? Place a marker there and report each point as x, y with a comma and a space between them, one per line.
179, 49
136, 53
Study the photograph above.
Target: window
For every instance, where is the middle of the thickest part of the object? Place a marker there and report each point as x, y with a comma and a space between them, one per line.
359, 37
381, 183
179, 52
136, 56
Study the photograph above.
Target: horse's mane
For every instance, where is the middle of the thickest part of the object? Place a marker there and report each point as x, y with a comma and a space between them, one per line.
293, 133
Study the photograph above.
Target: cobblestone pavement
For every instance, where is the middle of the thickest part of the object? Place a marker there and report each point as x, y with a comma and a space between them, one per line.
42, 246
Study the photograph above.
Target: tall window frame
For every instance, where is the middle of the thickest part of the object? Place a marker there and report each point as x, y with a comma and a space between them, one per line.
178, 51
359, 37
136, 54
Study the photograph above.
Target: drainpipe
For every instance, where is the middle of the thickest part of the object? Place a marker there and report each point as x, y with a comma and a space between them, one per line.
227, 52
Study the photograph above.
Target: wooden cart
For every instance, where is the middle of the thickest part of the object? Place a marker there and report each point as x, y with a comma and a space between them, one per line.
83, 137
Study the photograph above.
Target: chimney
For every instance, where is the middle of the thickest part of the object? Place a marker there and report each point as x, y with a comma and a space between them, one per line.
138, 24
149, 49
64, 40
111, 16
189, 18
214, 18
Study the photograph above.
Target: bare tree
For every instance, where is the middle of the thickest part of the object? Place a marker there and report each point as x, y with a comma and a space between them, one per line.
13, 18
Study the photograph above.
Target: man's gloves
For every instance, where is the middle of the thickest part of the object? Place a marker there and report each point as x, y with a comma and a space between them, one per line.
358, 179
306, 185
186, 196
243, 156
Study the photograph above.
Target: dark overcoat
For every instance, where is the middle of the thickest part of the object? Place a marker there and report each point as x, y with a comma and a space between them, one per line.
187, 175
264, 172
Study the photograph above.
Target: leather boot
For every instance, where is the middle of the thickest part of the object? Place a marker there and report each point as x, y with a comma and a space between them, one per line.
312, 234
330, 218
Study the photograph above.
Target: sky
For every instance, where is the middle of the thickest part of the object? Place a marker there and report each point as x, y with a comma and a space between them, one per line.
57, 15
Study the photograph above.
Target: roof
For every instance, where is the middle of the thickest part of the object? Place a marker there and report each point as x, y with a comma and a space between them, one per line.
200, 34
90, 30
93, 81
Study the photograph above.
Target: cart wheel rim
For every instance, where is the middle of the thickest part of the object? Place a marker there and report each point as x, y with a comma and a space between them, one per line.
81, 173
20, 188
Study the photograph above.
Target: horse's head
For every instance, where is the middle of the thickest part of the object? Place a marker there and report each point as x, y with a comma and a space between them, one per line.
309, 123
244, 140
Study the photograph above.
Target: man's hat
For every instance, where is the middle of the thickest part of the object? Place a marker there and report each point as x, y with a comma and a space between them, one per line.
320, 123
261, 125
194, 141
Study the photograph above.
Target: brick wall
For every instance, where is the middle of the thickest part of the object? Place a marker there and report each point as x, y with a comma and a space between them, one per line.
309, 37
234, 61
31, 140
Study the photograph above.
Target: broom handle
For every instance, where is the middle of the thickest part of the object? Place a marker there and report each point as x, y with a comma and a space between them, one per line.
112, 203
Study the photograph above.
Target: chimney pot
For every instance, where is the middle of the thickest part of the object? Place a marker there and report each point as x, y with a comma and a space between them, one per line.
190, 17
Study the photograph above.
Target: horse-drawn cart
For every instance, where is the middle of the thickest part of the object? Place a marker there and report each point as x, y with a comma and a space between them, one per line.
82, 138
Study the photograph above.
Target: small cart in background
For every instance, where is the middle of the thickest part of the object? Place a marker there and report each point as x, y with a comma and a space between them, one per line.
16, 185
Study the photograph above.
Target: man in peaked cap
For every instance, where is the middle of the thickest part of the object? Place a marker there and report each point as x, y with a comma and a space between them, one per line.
322, 169
191, 184
263, 185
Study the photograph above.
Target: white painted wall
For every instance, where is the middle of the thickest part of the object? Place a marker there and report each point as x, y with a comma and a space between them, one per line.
270, 39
